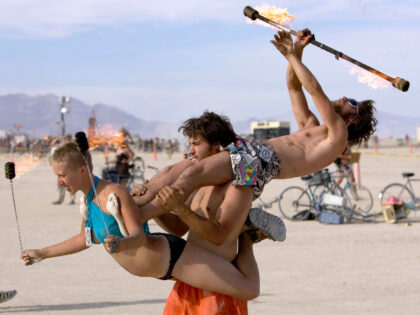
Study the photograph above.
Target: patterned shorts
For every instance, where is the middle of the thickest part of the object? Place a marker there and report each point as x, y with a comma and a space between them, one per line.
253, 164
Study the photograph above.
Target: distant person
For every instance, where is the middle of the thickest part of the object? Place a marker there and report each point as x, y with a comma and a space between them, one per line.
407, 140
375, 141
56, 143
124, 156
345, 168
169, 148
7, 295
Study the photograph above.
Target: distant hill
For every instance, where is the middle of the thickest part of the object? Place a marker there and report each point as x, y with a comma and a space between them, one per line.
39, 115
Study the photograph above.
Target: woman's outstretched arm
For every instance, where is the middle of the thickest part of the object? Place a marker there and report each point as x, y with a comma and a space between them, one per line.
70, 246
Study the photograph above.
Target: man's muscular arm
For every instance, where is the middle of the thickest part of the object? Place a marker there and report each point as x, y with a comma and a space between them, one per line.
172, 224
231, 213
166, 176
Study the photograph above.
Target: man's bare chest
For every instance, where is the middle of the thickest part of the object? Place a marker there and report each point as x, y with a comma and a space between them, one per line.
207, 201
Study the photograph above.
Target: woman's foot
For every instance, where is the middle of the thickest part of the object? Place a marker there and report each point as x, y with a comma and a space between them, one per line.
83, 208
113, 207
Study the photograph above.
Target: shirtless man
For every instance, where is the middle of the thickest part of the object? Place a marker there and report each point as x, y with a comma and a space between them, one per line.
214, 217
311, 148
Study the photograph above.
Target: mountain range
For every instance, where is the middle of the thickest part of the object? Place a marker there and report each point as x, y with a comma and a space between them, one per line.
40, 115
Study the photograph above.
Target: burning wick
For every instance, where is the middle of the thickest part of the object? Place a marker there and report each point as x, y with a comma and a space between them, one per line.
9, 170
83, 144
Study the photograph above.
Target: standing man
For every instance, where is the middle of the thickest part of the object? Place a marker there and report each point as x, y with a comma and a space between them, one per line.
214, 217
56, 143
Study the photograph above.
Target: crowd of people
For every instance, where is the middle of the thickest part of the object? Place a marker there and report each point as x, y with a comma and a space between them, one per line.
22, 143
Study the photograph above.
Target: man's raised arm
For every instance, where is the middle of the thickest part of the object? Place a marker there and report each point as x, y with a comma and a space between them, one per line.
284, 43
302, 113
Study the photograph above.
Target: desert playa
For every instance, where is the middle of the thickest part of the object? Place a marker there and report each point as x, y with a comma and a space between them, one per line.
358, 268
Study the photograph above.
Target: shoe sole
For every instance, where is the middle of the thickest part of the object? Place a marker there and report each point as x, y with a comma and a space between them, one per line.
6, 296
269, 223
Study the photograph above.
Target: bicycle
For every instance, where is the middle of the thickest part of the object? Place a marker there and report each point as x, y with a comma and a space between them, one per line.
357, 194
336, 209
294, 199
403, 192
136, 172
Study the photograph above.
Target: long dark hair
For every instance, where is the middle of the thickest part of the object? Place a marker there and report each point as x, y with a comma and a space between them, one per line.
364, 125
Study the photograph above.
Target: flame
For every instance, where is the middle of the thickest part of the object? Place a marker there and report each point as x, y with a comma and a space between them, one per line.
24, 165
107, 135
278, 15
370, 79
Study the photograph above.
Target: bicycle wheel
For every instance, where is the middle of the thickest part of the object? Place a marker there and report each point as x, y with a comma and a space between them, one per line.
293, 200
396, 190
360, 196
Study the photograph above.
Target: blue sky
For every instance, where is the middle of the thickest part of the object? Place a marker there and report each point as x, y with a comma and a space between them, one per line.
168, 60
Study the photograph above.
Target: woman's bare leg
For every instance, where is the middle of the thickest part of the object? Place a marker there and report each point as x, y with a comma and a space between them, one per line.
245, 260
166, 176
212, 171
211, 272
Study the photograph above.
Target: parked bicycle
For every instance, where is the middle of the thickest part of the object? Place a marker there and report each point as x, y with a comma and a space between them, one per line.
357, 194
295, 199
336, 209
402, 191
136, 170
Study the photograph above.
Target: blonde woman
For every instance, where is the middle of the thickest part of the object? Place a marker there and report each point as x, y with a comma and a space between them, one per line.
159, 255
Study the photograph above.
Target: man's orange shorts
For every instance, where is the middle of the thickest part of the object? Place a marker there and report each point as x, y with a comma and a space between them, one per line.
187, 300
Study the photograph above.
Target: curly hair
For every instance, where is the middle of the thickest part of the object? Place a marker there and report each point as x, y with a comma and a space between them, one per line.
212, 127
364, 126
